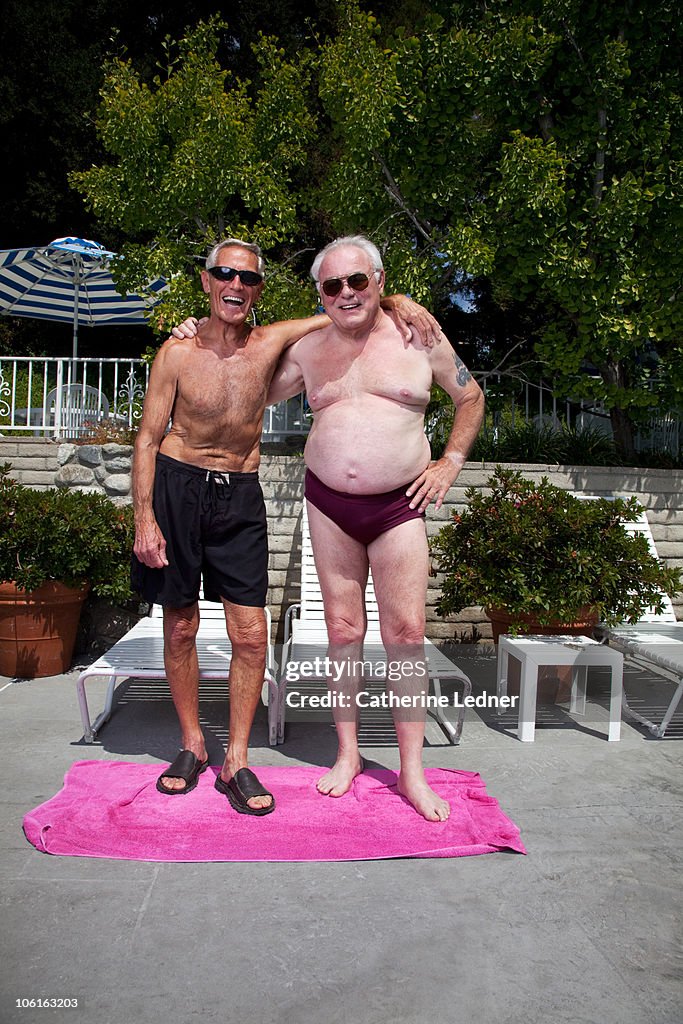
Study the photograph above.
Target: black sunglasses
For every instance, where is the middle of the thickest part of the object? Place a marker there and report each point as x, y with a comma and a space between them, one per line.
248, 277
334, 285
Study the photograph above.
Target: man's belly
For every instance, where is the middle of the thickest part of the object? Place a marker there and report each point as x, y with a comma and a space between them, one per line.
367, 447
226, 450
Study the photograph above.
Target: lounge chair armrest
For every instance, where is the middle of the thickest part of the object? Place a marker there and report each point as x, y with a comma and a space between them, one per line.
289, 615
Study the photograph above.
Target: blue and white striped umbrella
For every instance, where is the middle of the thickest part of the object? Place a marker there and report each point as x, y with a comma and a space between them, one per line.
69, 280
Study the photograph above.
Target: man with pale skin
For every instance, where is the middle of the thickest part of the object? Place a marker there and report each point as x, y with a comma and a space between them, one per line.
369, 480
202, 473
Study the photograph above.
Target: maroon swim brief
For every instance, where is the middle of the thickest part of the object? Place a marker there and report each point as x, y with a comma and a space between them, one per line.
362, 516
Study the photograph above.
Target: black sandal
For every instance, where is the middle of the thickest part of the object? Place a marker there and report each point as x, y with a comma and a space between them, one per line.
242, 787
186, 767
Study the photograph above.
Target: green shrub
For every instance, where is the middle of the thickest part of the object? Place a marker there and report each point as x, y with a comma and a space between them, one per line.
70, 536
528, 442
533, 443
535, 549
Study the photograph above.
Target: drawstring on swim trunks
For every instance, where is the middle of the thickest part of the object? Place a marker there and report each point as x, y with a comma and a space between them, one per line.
216, 482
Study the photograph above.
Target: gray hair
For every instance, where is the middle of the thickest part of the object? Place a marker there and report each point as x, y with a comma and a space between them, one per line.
212, 258
358, 242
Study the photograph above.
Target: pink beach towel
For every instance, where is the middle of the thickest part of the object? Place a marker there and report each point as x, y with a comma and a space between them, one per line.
112, 809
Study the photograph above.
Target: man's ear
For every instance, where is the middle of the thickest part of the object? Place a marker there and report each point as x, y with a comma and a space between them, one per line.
205, 281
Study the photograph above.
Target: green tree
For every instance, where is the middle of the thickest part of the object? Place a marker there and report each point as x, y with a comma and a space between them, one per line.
536, 144
51, 70
52, 52
525, 152
196, 158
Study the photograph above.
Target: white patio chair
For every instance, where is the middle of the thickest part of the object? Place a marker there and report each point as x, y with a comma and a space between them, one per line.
74, 407
140, 655
306, 639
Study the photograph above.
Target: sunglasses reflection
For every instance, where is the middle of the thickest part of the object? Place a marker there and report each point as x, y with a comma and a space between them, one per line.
358, 282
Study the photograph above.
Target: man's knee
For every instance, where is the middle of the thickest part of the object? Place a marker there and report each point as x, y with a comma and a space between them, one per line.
343, 629
407, 632
180, 626
249, 637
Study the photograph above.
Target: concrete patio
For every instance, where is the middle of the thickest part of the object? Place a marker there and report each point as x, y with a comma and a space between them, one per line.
583, 930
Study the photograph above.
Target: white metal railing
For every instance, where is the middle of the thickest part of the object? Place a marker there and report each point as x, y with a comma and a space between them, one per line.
62, 398
68, 397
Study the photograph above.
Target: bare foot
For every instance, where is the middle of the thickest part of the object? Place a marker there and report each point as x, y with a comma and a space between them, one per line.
423, 798
172, 784
340, 777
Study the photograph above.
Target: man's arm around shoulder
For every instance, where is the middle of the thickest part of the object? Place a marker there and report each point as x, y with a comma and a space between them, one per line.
286, 333
288, 379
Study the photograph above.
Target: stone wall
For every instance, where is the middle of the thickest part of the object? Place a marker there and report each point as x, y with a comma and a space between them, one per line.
88, 467
45, 463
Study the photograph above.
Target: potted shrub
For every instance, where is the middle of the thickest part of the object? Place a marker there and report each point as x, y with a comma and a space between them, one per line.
539, 559
54, 546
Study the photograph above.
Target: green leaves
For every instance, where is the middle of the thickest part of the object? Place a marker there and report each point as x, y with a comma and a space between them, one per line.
537, 146
537, 549
198, 155
62, 535
358, 83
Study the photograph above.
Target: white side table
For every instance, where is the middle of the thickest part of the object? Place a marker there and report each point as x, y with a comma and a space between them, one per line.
578, 651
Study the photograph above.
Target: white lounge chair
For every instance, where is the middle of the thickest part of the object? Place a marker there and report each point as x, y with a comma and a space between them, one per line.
306, 639
140, 655
654, 643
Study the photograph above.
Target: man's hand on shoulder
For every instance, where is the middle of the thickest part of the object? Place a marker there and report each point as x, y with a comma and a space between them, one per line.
408, 314
189, 328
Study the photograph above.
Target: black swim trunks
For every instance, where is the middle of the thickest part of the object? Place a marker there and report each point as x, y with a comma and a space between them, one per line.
214, 525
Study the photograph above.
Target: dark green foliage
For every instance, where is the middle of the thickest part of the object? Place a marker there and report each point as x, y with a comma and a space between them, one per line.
70, 536
565, 446
525, 157
537, 549
533, 443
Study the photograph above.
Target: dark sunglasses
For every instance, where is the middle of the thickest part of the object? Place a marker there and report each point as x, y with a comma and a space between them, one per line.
247, 277
334, 285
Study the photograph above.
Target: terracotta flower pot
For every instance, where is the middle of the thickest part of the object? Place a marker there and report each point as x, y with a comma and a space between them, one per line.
526, 624
38, 628
554, 685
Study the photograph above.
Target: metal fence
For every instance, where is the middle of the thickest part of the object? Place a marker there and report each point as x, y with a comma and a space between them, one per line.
540, 405
73, 397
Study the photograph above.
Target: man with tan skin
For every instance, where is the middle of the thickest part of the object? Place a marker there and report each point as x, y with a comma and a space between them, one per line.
199, 508
369, 480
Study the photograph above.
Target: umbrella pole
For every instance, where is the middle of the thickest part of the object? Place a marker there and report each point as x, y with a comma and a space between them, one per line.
77, 284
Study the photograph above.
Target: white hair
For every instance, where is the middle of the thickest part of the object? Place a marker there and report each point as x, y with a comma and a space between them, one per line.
358, 242
212, 258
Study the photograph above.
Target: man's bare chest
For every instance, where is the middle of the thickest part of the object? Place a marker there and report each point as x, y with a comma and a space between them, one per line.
387, 370
219, 387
